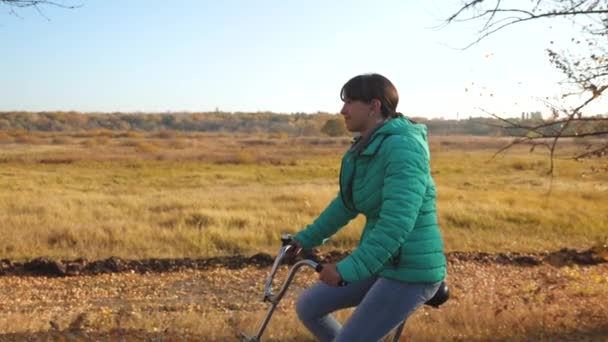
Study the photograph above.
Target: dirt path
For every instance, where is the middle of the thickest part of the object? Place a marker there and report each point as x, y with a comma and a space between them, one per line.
493, 299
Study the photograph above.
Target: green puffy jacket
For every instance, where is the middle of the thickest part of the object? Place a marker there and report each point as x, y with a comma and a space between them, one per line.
389, 182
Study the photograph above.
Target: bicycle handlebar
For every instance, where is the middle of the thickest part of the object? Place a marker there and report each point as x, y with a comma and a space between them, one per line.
287, 241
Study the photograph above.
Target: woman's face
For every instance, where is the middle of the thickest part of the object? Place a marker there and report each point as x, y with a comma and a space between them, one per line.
357, 115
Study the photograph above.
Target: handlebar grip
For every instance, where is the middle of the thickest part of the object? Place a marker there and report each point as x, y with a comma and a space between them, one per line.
286, 239
319, 268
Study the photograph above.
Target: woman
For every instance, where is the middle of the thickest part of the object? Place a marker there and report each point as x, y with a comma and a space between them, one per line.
399, 262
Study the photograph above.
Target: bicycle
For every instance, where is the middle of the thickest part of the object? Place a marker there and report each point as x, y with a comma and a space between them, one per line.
440, 297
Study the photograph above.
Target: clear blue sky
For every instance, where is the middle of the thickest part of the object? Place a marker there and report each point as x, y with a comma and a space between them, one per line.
281, 55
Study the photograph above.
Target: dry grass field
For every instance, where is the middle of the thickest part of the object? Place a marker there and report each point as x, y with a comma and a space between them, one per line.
169, 194
139, 195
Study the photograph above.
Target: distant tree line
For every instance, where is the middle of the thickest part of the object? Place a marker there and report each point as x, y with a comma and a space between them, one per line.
298, 124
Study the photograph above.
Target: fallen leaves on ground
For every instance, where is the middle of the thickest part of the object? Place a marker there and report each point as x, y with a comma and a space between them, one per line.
215, 302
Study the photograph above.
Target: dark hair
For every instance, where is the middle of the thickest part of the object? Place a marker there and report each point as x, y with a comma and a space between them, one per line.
367, 87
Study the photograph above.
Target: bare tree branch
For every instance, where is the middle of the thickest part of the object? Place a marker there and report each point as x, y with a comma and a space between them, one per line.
598, 152
588, 73
491, 28
36, 4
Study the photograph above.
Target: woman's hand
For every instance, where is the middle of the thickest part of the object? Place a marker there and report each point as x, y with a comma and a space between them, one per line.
293, 252
329, 275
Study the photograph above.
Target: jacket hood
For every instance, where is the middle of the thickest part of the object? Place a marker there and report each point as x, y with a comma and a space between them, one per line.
397, 126
402, 126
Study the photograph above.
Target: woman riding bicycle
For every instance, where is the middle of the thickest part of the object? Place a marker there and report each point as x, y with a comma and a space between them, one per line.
399, 262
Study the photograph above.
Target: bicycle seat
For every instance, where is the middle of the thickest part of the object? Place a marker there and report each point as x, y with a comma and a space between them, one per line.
440, 297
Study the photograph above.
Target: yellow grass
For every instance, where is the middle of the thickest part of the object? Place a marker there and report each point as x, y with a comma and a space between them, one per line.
168, 194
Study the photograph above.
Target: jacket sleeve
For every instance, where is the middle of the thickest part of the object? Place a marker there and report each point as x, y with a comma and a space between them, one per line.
334, 217
405, 177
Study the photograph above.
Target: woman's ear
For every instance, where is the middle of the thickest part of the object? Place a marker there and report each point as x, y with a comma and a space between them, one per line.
376, 106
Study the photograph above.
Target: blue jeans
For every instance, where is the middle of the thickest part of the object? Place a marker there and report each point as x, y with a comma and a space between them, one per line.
382, 304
